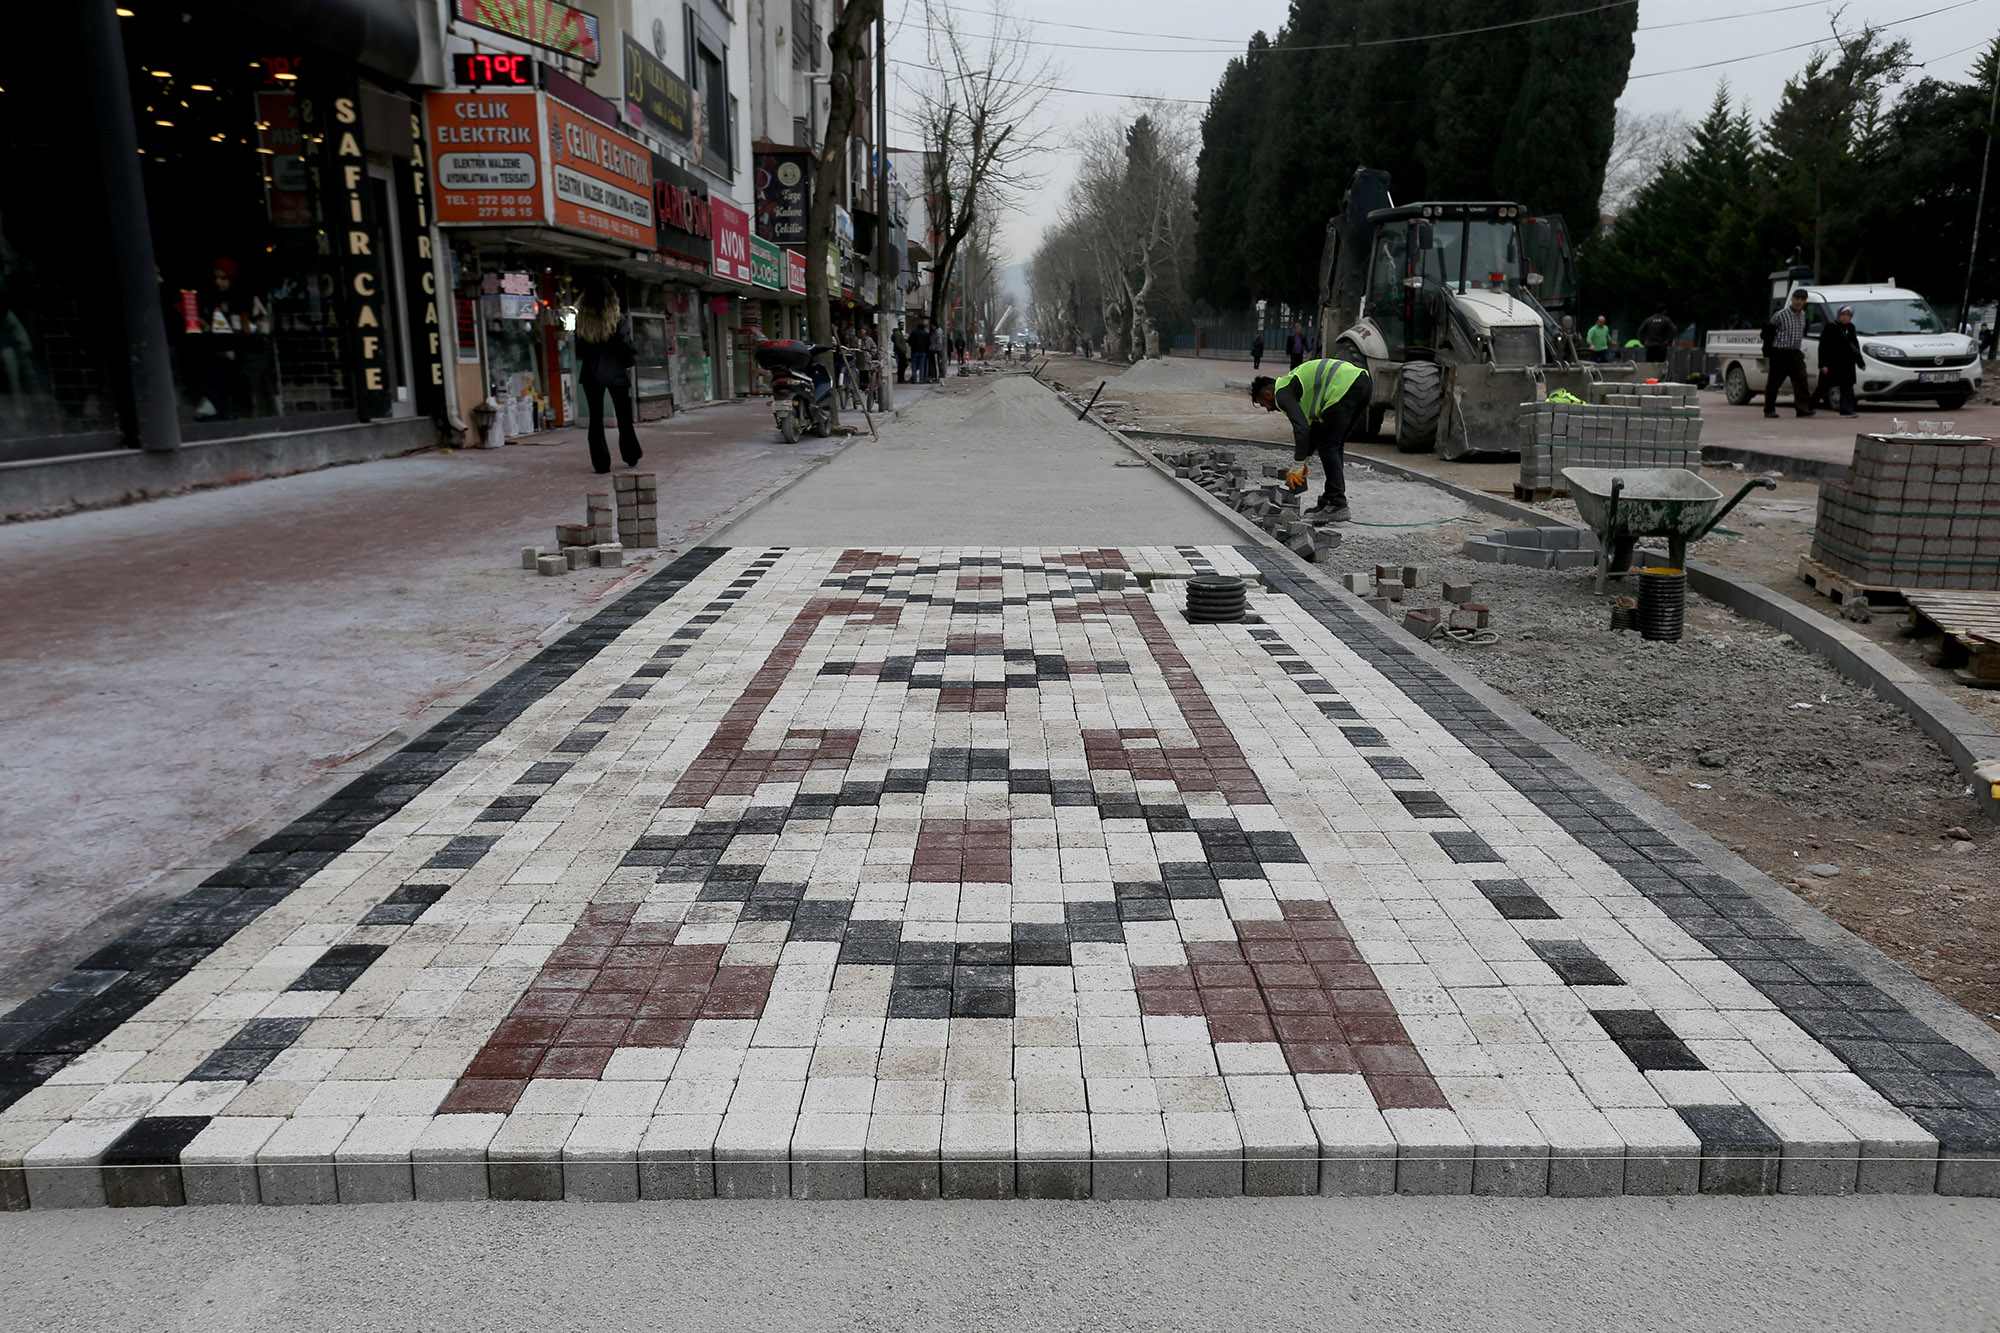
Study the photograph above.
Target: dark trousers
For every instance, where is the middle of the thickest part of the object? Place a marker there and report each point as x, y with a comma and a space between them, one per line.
1823, 396
628, 440
902, 366
1256, 359
1329, 438
1787, 363
1296, 358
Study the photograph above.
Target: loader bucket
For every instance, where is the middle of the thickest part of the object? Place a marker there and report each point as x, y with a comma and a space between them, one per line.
1483, 417
1483, 413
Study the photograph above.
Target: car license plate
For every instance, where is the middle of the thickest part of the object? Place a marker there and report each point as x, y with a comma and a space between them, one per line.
1936, 376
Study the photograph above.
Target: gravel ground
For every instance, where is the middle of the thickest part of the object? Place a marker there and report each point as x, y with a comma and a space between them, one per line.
1736, 728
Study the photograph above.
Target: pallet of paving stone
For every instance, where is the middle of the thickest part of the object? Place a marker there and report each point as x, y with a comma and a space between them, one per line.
1967, 628
1841, 588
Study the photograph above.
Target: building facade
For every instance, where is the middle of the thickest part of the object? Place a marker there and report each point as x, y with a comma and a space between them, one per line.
336, 227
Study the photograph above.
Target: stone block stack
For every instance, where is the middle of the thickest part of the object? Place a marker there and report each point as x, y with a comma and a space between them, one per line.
638, 510
1916, 511
1622, 425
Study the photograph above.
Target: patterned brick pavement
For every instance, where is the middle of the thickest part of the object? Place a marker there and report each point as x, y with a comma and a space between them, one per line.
974, 873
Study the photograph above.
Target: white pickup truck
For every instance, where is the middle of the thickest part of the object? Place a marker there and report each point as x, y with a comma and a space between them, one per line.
1910, 353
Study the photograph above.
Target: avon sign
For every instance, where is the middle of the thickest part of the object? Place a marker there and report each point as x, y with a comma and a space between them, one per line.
732, 241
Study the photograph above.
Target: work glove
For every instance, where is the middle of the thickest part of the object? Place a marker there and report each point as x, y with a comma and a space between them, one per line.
1295, 480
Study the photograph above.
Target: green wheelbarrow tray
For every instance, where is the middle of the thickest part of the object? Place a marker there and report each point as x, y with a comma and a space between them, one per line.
1621, 505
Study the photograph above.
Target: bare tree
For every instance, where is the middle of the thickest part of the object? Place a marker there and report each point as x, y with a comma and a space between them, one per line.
1132, 209
1062, 287
1641, 143
977, 116
848, 42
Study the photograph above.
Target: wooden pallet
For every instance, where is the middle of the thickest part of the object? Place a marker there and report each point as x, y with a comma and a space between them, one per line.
1967, 628
1840, 587
1536, 494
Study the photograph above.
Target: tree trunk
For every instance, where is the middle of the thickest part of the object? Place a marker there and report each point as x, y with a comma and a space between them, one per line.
849, 43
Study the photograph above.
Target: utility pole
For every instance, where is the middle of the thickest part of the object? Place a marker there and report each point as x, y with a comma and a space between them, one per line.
1979, 208
886, 284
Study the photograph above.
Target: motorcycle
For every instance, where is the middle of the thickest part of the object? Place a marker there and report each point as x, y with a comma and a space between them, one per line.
801, 388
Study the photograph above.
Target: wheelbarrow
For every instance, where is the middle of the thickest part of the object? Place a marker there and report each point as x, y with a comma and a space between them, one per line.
1621, 505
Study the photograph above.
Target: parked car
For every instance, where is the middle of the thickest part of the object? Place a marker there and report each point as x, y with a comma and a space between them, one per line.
1909, 351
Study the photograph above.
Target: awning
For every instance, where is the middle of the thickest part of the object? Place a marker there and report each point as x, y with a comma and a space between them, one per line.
377, 34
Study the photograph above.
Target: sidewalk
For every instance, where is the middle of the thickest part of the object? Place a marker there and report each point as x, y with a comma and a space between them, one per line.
1826, 437
869, 856
175, 670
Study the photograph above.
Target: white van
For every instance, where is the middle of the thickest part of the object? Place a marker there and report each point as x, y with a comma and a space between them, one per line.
1910, 353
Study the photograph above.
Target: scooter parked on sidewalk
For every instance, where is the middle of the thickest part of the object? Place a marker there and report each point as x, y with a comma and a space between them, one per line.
801, 388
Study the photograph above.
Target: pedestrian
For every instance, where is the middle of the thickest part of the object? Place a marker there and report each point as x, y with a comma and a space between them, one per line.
1985, 342
1599, 338
1784, 354
1088, 354
1323, 400
901, 342
958, 347
605, 353
1257, 351
1657, 334
1839, 357
940, 345
1295, 346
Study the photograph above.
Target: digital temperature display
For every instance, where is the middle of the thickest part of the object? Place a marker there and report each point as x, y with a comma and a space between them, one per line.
480, 69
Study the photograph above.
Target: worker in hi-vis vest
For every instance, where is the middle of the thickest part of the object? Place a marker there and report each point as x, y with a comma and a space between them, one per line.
1323, 400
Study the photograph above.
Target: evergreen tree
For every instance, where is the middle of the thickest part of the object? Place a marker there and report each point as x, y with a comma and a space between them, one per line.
1522, 112
1696, 236
1554, 144
1222, 182
1297, 169
1813, 130
1477, 80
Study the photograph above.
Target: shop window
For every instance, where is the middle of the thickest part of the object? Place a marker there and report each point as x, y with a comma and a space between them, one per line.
256, 312
59, 319
708, 71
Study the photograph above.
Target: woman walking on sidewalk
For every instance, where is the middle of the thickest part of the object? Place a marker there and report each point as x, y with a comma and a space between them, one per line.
1839, 357
605, 352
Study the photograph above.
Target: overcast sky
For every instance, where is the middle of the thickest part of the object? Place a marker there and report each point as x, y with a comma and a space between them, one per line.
1673, 35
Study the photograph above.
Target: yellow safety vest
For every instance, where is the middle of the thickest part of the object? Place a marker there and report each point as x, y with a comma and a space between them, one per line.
1321, 384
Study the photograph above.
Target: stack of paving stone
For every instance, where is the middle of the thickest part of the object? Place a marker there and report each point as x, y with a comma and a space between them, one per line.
1623, 425
638, 508
1916, 511
1535, 548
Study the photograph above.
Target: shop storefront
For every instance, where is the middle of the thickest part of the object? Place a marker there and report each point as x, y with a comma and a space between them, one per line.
538, 196
676, 347
284, 197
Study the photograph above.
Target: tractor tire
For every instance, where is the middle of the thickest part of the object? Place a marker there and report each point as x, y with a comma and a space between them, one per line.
1951, 402
1736, 387
1345, 350
1419, 403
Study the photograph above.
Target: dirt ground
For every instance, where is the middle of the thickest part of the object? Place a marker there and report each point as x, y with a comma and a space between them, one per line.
1737, 729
